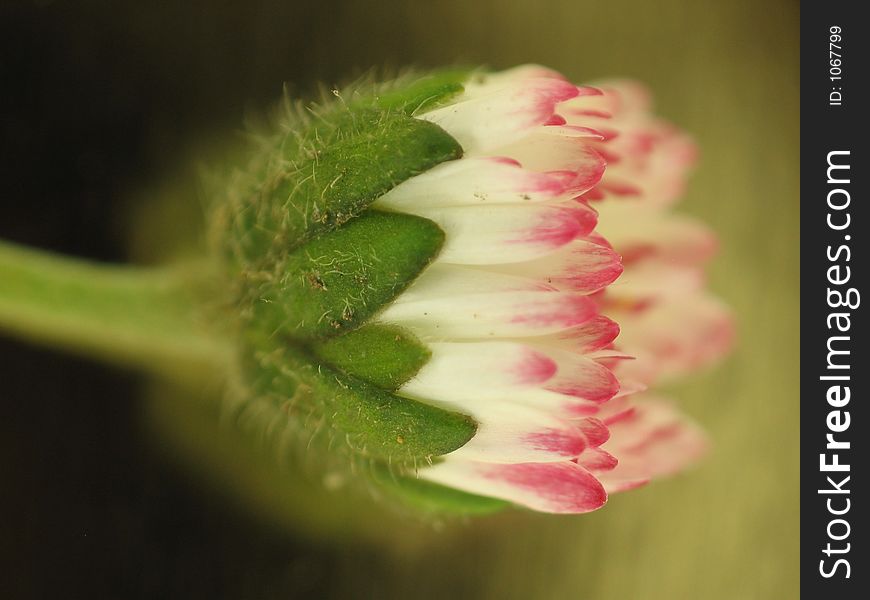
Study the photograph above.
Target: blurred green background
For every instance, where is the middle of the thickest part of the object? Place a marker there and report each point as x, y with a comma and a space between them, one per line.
111, 104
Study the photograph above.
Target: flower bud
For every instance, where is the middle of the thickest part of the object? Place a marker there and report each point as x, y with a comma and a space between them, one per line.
423, 276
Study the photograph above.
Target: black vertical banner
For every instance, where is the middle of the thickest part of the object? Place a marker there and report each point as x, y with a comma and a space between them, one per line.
834, 264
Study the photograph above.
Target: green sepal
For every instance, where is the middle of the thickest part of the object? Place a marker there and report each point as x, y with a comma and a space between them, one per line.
384, 355
332, 181
407, 96
353, 415
336, 282
425, 92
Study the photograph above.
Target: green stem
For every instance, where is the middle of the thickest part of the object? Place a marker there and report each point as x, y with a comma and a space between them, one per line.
145, 317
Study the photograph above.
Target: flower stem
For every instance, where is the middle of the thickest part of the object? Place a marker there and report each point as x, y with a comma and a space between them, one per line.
144, 317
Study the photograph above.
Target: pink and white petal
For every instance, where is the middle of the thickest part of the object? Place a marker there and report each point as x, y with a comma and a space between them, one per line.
647, 158
597, 460
641, 232
668, 167
599, 332
596, 431
587, 134
590, 109
580, 163
650, 281
618, 99
483, 83
507, 233
457, 371
632, 96
473, 181
634, 421
609, 356
657, 178
674, 337
617, 409
563, 487
468, 396
484, 120
581, 377
629, 143
637, 375
470, 373
553, 403
615, 482
627, 384
508, 432
654, 440
491, 315
581, 266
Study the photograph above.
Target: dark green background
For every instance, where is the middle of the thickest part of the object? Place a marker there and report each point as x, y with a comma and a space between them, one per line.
105, 107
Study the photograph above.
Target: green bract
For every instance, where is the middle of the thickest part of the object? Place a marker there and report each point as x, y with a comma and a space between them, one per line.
310, 265
364, 419
383, 355
329, 182
336, 281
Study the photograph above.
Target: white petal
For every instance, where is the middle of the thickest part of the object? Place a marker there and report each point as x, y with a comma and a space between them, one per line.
505, 233
441, 280
491, 315
473, 181
488, 119
459, 370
